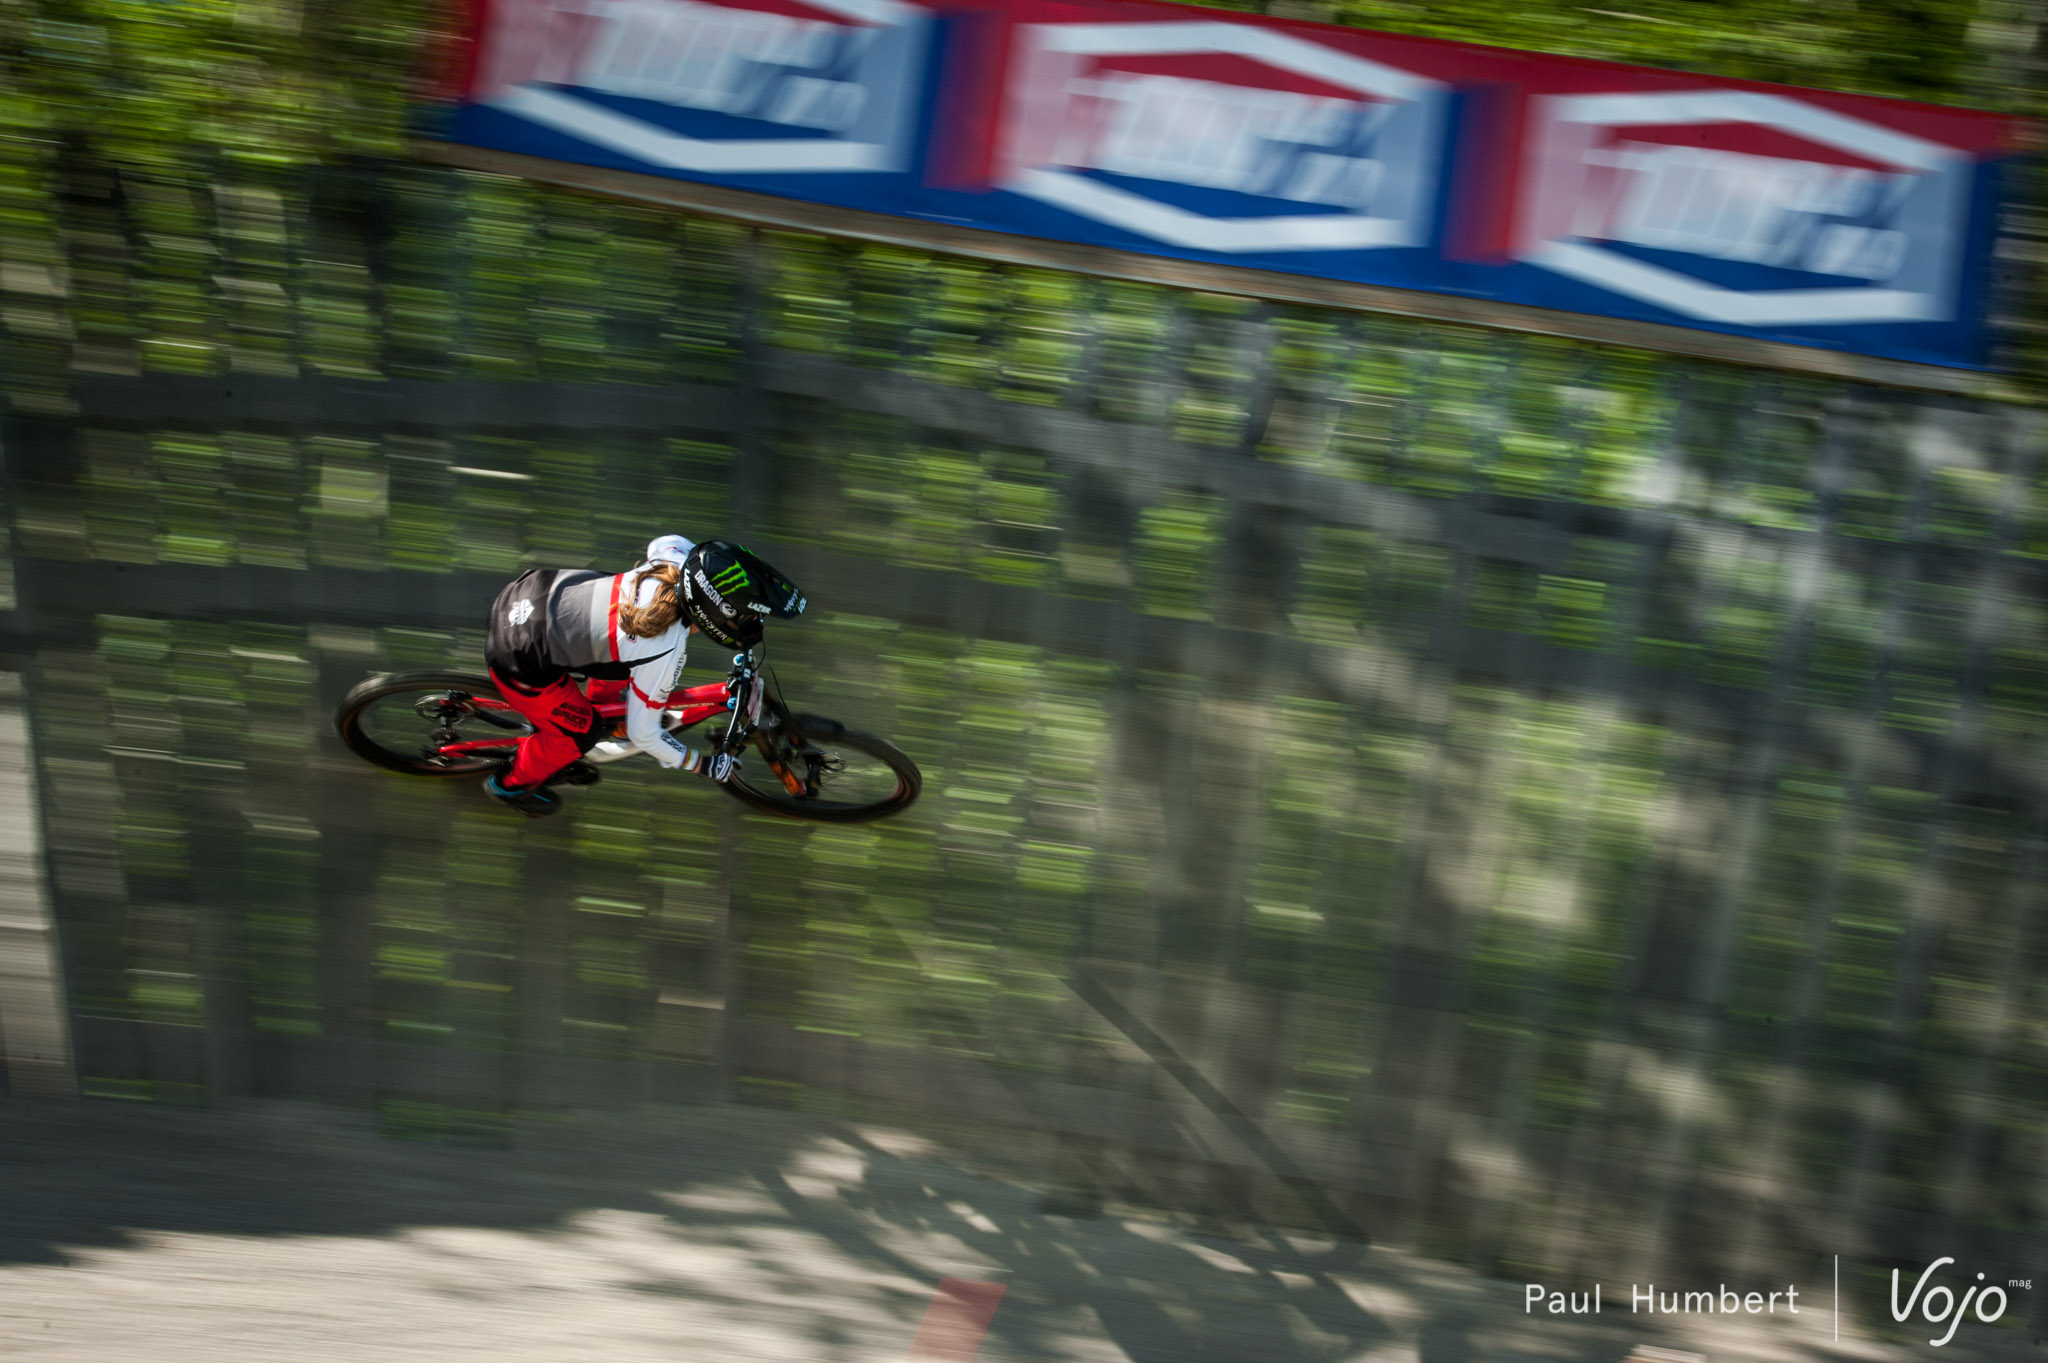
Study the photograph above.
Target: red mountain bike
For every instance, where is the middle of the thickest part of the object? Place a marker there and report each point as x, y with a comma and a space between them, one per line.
802, 766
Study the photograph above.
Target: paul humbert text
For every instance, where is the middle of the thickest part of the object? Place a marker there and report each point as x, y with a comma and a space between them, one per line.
1647, 1299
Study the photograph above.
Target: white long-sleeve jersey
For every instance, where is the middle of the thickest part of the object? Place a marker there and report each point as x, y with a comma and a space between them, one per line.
584, 634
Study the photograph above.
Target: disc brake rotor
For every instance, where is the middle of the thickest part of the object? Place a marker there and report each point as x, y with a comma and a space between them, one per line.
445, 711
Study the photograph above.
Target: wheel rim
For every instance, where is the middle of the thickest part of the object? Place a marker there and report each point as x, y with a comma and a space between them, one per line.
836, 776
414, 726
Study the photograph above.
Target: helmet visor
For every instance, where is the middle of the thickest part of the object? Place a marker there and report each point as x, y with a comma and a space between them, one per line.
766, 590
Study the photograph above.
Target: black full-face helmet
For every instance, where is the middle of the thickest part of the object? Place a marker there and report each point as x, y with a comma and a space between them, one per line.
727, 591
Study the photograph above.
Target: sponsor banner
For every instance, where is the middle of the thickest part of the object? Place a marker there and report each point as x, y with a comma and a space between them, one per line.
1222, 138
1859, 223
773, 94
1832, 220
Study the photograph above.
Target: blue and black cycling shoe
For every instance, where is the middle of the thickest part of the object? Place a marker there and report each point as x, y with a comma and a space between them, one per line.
535, 802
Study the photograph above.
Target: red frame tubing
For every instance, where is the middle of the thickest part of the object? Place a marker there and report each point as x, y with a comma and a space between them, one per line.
694, 704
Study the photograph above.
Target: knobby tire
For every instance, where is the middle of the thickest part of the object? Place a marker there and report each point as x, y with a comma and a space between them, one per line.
757, 786
348, 720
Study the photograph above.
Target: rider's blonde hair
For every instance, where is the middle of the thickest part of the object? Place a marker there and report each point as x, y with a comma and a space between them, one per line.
644, 622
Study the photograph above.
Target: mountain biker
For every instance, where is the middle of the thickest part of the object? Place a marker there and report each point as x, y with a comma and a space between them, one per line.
624, 634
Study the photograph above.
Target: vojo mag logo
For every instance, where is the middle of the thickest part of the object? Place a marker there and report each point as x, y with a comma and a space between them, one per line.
1744, 208
1221, 137
745, 87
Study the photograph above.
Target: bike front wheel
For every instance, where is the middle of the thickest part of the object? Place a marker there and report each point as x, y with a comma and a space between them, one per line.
818, 769
430, 723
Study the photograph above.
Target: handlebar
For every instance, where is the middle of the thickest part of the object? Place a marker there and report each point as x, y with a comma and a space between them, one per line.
739, 684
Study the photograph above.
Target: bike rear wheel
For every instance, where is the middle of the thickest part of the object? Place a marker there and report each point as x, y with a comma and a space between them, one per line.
845, 776
401, 723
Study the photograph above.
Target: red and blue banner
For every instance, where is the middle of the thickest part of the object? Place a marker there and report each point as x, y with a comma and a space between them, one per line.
1841, 221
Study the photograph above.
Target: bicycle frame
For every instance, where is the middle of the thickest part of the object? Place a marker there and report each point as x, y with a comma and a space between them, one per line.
691, 705
826, 772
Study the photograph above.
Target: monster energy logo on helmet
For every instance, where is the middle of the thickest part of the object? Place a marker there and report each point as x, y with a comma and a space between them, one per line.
711, 592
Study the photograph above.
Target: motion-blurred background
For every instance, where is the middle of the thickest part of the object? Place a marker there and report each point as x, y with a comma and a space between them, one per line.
1557, 807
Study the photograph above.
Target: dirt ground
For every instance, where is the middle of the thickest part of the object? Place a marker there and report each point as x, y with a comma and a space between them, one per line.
719, 1233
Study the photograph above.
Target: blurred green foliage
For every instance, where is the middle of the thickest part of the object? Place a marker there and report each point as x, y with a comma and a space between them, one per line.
1915, 49
171, 86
